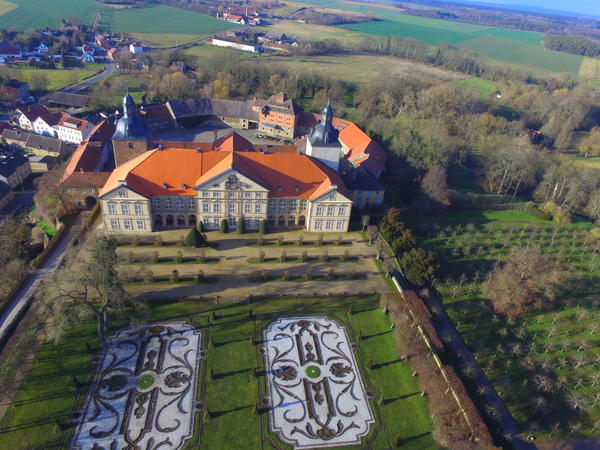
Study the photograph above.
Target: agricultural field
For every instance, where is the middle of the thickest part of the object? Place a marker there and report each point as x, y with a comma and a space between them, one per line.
164, 40
544, 365
312, 31
352, 68
57, 78
59, 377
6, 6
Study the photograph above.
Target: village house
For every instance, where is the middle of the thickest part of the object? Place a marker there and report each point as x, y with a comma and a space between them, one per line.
46, 123
6, 195
37, 144
73, 130
14, 169
10, 52
25, 116
278, 116
41, 164
13, 92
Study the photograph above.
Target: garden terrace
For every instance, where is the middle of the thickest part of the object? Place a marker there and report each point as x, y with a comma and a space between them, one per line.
232, 381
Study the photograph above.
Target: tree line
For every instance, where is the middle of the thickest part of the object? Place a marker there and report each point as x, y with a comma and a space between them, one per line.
576, 45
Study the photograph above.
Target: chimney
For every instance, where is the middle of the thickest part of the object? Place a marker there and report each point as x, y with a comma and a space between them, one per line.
160, 147
198, 149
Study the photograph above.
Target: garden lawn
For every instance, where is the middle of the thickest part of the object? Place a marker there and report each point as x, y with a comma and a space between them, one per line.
57, 78
48, 392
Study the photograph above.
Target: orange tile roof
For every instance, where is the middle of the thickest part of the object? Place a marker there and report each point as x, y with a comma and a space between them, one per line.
72, 122
233, 142
284, 174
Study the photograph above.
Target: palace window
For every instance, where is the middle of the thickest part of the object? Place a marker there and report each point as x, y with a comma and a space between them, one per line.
138, 209
216, 194
205, 207
341, 211
330, 210
231, 194
156, 202
257, 208
318, 225
124, 208
303, 205
216, 208
112, 208
319, 211
282, 205
191, 203
168, 203
231, 208
247, 208
232, 222
123, 194
205, 194
127, 224
293, 205
180, 203
329, 225
272, 205
114, 224
339, 225
247, 194
258, 195
140, 224
256, 223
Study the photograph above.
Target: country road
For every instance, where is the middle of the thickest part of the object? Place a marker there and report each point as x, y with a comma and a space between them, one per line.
19, 304
109, 69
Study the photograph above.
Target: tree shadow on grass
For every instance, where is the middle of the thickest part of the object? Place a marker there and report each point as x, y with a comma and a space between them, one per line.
216, 414
229, 374
369, 336
385, 364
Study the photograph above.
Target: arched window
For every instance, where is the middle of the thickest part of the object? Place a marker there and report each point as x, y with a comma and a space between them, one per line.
180, 221
302, 221
192, 221
291, 221
170, 220
281, 221
158, 220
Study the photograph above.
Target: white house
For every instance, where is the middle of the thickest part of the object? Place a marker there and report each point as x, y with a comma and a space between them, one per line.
73, 130
237, 46
46, 124
135, 48
42, 48
26, 116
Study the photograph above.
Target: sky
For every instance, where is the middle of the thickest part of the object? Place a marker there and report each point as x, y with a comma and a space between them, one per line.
585, 7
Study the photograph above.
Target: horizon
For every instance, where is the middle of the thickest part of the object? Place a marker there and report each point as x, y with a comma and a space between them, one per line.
589, 8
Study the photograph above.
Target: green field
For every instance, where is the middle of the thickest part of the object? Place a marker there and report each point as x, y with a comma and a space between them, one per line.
480, 85
165, 19
38, 417
57, 78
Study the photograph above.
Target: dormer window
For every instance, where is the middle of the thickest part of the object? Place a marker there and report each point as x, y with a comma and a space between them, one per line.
280, 188
123, 194
296, 188
164, 185
183, 186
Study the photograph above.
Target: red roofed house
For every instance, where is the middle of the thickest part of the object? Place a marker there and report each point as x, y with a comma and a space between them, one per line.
27, 115
73, 130
13, 91
85, 174
174, 187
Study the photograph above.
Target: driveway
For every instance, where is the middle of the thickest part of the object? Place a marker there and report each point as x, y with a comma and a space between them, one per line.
20, 302
109, 69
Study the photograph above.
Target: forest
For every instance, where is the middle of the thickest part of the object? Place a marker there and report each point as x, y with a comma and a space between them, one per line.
577, 45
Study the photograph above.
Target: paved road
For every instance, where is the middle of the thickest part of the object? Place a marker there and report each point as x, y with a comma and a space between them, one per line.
109, 69
13, 312
505, 424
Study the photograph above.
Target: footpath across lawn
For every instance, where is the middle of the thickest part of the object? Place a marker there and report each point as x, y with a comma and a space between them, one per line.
56, 384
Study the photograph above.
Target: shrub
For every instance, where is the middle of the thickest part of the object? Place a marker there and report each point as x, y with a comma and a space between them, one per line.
283, 256
159, 241
304, 256
261, 257
200, 276
331, 273
223, 226
345, 255
175, 276
418, 266
155, 257
202, 258
131, 257
280, 241
595, 232
263, 275
558, 213
300, 240
200, 227
286, 275
353, 273
193, 238
179, 257
325, 256
240, 226
309, 274
148, 276
339, 241
262, 229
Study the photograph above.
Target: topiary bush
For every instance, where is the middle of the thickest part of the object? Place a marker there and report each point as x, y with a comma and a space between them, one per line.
262, 228
240, 226
193, 238
223, 226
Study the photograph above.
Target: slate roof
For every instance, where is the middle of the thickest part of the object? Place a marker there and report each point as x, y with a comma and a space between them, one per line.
9, 164
4, 189
211, 107
67, 99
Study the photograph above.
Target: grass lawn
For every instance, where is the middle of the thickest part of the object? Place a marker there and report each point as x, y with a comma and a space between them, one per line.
57, 78
37, 13
164, 40
480, 85
6, 6
48, 392
312, 31
558, 345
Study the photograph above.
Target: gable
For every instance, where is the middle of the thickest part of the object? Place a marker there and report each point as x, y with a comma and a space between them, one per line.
122, 193
230, 179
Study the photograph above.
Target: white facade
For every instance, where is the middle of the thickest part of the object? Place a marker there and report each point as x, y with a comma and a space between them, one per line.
136, 49
237, 46
73, 135
329, 155
40, 126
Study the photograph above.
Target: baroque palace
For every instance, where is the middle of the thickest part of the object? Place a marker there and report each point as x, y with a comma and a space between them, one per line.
326, 167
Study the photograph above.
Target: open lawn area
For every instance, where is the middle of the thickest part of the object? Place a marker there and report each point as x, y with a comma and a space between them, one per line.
352, 68
163, 40
229, 388
57, 78
545, 364
311, 31
480, 85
